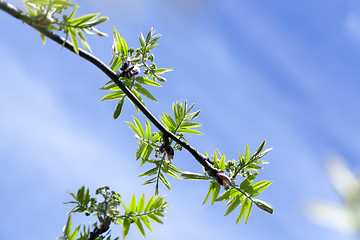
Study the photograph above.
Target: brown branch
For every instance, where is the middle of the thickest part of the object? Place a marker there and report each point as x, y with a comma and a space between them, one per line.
17, 13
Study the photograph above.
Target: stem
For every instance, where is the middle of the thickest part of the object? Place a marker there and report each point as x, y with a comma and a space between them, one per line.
241, 191
17, 13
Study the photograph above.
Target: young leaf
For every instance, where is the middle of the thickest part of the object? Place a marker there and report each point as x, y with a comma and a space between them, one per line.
118, 108
42, 36
194, 176
215, 192
141, 204
146, 222
126, 227
234, 204
74, 40
247, 154
259, 187
132, 206
264, 206
139, 226
230, 193
149, 172
144, 92
154, 218
147, 81
113, 96
248, 211
83, 40
211, 188
149, 204
243, 209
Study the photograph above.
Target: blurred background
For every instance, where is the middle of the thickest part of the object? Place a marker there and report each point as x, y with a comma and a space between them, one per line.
284, 71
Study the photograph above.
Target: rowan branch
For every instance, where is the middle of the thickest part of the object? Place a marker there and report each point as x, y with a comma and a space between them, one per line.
17, 13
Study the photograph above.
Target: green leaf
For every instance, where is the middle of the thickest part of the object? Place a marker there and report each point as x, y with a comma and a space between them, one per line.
73, 235
87, 197
189, 130
96, 22
147, 81
132, 206
234, 204
260, 148
83, 40
248, 181
247, 154
152, 180
194, 176
139, 226
132, 126
115, 63
264, 153
215, 192
139, 127
146, 222
126, 227
222, 163
144, 92
154, 218
120, 44
71, 16
83, 19
67, 229
74, 40
141, 204
148, 36
80, 195
149, 204
230, 193
43, 39
113, 96
149, 172
259, 187
138, 97
160, 71
211, 188
166, 169
243, 209
165, 181
264, 206
148, 130
118, 108
248, 211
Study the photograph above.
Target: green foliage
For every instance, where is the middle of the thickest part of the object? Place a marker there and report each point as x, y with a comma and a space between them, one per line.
149, 143
144, 59
155, 148
113, 210
237, 194
46, 13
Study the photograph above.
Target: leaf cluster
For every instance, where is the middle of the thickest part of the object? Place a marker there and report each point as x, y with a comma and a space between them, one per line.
150, 143
142, 58
113, 208
46, 13
237, 194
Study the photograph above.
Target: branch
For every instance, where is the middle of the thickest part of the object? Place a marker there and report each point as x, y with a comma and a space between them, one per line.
17, 13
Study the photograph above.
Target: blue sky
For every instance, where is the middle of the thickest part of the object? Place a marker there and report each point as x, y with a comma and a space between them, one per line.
282, 71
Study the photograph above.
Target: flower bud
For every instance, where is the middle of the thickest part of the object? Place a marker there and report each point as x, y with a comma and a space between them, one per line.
126, 64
